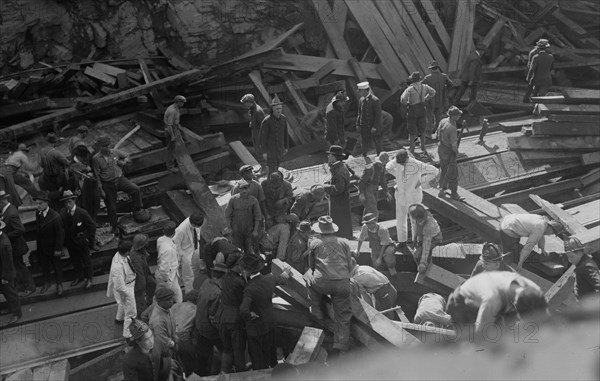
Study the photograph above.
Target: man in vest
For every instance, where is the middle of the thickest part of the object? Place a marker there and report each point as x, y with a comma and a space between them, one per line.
413, 103
171, 119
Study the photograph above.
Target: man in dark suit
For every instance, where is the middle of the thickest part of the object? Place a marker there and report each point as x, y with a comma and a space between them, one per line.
471, 74
80, 235
14, 230
8, 274
50, 239
257, 310
539, 76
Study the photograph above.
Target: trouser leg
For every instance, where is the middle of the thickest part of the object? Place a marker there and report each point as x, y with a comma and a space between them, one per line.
187, 274
365, 143
24, 278
12, 297
461, 91
140, 302
377, 142
125, 185
389, 258
401, 220
473, 92
342, 309
76, 260
110, 191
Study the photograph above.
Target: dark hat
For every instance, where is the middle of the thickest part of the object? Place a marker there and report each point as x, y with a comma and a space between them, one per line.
52, 138
243, 184
369, 217
247, 98
82, 128
573, 244
22, 147
42, 195
325, 226
197, 219
179, 98
340, 96
402, 156
417, 211
414, 77
433, 64
163, 293
103, 141
292, 218
337, 151
454, 111
491, 253
481, 46
3, 194
245, 168
68, 195
220, 267
252, 263
138, 329
276, 101
318, 190
124, 247
232, 259
139, 241
304, 226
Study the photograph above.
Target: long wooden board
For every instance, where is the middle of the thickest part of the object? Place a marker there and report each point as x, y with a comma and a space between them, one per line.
566, 128
570, 143
307, 347
557, 213
546, 109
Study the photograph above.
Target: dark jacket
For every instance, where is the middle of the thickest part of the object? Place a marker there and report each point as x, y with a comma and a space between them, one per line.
7, 267
50, 233
339, 200
256, 115
232, 293
471, 70
335, 124
80, 228
207, 305
14, 230
258, 298
587, 277
369, 115
540, 69
138, 366
273, 135
441, 84
144, 279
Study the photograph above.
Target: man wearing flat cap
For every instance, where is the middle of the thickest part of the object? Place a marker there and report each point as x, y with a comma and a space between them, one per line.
256, 190
187, 240
256, 114
339, 191
274, 136
470, 74
306, 200
368, 120
330, 265
55, 165
539, 75
448, 152
334, 114
439, 103
542, 42
173, 133
162, 323
78, 139
243, 217
413, 103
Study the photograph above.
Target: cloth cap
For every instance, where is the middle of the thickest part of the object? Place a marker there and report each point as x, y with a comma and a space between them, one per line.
402, 156
369, 217
491, 253
103, 141
363, 85
243, 184
179, 98
197, 219
293, 218
573, 244
163, 293
22, 147
82, 129
42, 195
4, 195
384, 156
454, 111
137, 328
68, 195
304, 226
252, 263
325, 225
247, 98
433, 64
52, 138
543, 43
139, 241
245, 168
414, 77
417, 211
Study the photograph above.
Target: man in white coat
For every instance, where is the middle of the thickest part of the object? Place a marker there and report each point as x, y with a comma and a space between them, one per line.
409, 173
187, 242
121, 283
168, 262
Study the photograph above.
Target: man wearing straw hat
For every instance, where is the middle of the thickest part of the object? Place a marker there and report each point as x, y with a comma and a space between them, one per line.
330, 265
490, 260
381, 245
274, 137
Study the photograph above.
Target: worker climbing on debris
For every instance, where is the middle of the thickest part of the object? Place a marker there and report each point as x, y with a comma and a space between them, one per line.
79, 139
409, 174
335, 132
447, 134
256, 115
296, 252
243, 218
55, 177
278, 197
426, 234
368, 120
382, 247
8, 275
172, 130
106, 164
274, 136
339, 191
494, 299
330, 265
539, 74
587, 275
413, 104
18, 169
439, 103
145, 283
470, 74
256, 190
431, 311
368, 186
305, 201
532, 226
377, 285
167, 261
490, 260
187, 240
121, 284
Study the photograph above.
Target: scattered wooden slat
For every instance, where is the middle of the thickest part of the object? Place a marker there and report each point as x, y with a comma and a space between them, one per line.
561, 289
42, 372
108, 69
590, 240
148, 79
493, 32
243, 154
99, 75
175, 60
25, 107
443, 277
592, 118
436, 20
565, 128
549, 99
23, 375
297, 101
462, 34
519, 197
311, 64
566, 143
325, 70
307, 347
579, 36
267, 46
582, 95
590, 158
557, 213
559, 65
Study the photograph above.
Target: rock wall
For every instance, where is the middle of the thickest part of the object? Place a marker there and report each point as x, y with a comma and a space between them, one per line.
203, 31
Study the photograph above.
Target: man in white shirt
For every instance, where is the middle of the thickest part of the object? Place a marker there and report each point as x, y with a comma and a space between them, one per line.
121, 283
376, 284
187, 242
409, 173
168, 262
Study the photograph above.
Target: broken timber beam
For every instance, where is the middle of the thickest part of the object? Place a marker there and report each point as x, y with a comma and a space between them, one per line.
557, 143
308, 346
447, 279
557, 213
561, 289
148, 79
245, 156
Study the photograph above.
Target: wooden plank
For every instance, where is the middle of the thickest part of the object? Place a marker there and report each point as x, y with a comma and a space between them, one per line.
559, 65
108, 69
357, 69
549, 99
566, 143
297, 101
565, 128
42, 372
89, 71
311, 64
558, 187
590, 240
148, 79
436, 21
567, 220
23, 375
493, 32
307, 347
580, 36
332, 24
267, 46
325, 70
243, 154
549, 156
590, 158
582, 95
24, 107
191, 134
439, 275
60, 371
561, 289
574, 118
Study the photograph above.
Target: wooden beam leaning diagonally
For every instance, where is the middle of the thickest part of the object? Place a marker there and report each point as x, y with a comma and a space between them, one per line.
435, 19
415, 38
561, 289
568, 221
147, 79
307, 347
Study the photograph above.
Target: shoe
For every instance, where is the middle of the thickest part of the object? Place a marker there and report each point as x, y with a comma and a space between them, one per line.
88, 284
44, 288
442, 193
119, 322
13, 320
59, 289
76, 282
480, 142
26, 293
456, 197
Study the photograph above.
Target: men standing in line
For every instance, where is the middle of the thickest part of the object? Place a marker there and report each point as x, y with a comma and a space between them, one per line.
339, 191
305, 201
121, 284
8, 276
409, 174
173, 133
55, 164
107, 168
413, 103
448, 152
187, 236
470, 74
243, 218
587, 275
80, 236
50, 241
278, 197
539, 75
334, 132
168, 262
368, 120
439, 103
14, 231
274, 137
376, 284
426, 234
256, 115
532, 226
368, 186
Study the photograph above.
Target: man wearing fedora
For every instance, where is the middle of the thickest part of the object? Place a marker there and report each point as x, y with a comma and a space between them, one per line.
50, 241
8, 276
426, 234
257, 311
334, 113
490, 260
330, 265
80, 237
382, 247
539, 75
273, 135
14, 231
20, 169
587, 275
55, 165
173, 133
447, 134
296, 252
256, 114
368, 120
439, 103
107, 164
372, 178
306, 200
413, 103
470, 74
339, 191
